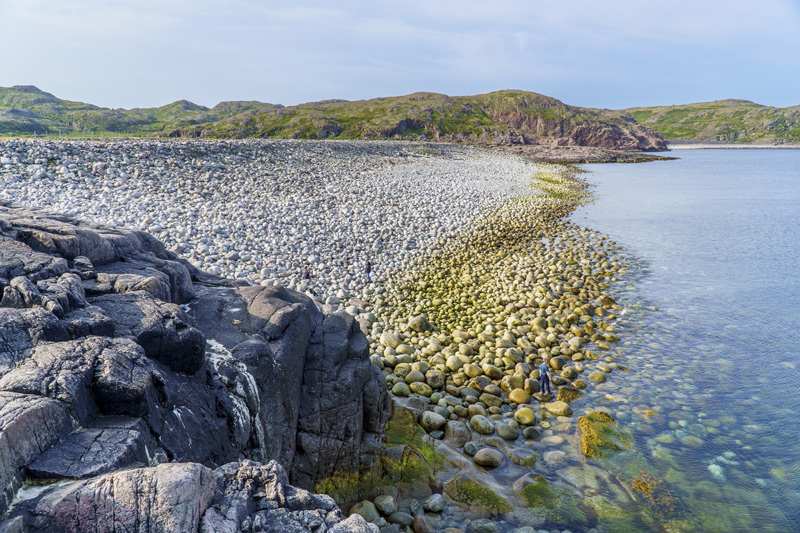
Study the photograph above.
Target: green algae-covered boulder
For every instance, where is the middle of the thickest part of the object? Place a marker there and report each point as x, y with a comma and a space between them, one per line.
554, 503
480, 499
568, 394
600, 435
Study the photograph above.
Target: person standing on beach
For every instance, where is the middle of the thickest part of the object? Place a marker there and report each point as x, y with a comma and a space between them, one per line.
306, 273
368, 270
544, 376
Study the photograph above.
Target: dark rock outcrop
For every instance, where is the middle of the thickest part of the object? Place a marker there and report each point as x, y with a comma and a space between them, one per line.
102, 370
180, 497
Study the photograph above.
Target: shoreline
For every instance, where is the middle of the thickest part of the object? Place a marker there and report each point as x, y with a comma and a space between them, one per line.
517, 284
460, 335
711, 145
577, 155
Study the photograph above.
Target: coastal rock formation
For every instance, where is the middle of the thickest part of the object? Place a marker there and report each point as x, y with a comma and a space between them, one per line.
239, 496
116, 354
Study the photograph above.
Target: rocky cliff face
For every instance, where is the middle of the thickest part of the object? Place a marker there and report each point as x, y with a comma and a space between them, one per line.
523, 128
114, 354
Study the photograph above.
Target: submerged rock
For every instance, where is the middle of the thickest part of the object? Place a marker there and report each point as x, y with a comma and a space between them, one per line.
600, 435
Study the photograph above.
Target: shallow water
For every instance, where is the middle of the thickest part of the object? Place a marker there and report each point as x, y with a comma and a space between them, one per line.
711, 332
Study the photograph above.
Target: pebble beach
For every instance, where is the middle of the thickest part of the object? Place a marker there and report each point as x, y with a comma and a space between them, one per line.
264, 210
477, 276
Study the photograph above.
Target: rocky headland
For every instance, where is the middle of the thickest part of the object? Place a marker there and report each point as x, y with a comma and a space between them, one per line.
115, 354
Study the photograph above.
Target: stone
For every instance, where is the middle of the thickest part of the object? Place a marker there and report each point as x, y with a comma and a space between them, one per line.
419, 324
23, 415
423, 389
530, 433
488, 457
568, 394
481, 424
525, 415
421, 525
553, 456
519, 396
482, 525
401, 389
569, 372
435, 379
392, 340
472, 371
492, 372
523, 457
490, 400
402, 518
597, 376
506, 432
431, 421
415, 376
386, 504
559, 408
106, 347
471, 448
456, 433
366, 509
435, 503
476, 409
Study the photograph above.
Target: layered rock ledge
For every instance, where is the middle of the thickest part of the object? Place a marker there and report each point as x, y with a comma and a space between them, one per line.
128, 369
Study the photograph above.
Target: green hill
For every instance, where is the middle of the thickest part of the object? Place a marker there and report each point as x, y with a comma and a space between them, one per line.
498, 118
27, 110
739, 121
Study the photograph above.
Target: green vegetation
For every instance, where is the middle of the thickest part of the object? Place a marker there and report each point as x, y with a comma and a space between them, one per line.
502, 117
28, 111
600, 436
737, 121
408, 459
480, 499
555, 504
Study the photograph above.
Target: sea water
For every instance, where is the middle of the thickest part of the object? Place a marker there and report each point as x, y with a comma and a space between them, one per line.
710, 333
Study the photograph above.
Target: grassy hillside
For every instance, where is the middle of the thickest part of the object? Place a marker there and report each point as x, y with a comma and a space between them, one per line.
726, 120
502, 117
25, 110
499, 118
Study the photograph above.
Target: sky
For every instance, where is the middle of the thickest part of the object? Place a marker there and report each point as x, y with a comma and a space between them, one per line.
606, 54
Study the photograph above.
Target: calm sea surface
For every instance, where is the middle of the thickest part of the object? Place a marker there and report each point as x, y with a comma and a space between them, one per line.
711, 335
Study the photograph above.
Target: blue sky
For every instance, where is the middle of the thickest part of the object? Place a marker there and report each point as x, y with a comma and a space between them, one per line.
612, 54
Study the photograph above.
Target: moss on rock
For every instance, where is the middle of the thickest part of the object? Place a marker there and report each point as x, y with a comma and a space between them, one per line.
658, 495
479, 499
600, 436
554, 504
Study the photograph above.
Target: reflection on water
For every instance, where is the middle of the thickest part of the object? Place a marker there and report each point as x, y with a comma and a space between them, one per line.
711, 335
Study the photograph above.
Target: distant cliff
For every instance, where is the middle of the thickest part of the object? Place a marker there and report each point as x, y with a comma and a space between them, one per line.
737, 121
502, 118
